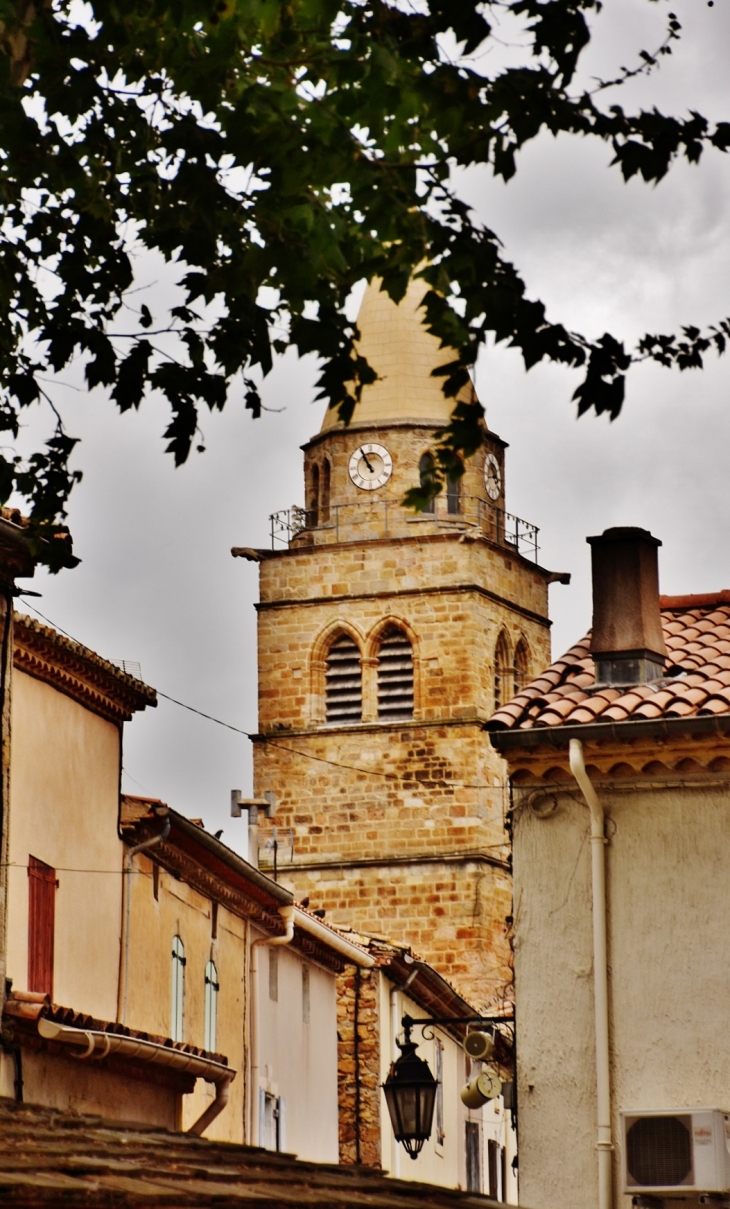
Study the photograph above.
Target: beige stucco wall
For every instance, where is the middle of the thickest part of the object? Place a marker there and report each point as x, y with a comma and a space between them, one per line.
669, 958
181, 911
73, 1086
296, 1060
64, 797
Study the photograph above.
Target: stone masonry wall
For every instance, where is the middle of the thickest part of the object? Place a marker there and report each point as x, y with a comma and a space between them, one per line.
453, 915
350, 507
396, 828
452, 596
358, 1066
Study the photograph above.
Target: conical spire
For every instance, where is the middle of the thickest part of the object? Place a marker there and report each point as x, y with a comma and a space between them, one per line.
403, 354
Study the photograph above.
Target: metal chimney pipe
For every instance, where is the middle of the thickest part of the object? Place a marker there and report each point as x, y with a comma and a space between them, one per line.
627, 642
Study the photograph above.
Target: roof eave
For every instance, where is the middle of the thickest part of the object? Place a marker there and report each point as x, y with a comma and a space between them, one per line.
558, 737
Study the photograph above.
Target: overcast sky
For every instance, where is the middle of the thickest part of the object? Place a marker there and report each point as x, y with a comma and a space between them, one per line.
157, 583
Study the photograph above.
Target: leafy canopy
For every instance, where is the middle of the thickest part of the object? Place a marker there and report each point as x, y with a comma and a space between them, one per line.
294, 147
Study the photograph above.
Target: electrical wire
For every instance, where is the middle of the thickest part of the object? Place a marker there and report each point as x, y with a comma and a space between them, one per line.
275, 742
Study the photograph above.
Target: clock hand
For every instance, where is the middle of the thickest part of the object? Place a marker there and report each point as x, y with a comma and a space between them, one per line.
365, 460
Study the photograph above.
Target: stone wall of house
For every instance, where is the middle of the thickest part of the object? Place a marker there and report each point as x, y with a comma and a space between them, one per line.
358, 1066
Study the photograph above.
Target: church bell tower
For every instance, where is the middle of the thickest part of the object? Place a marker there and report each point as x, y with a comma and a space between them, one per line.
386, 639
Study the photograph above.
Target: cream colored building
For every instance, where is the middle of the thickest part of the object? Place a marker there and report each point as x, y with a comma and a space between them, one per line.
253, 977
635, 720
153, 975
64, 884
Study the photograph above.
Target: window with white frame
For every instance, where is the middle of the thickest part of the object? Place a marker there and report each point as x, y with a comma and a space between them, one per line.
177, 1004
272, 1121
211, 1006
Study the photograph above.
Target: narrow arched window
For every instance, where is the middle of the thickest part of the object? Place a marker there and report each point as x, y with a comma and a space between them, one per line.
395, 675
325, 495
177, 1006
211, 1006
313, 501
501, 671
453, 494
522, 665
426, 467
343, 681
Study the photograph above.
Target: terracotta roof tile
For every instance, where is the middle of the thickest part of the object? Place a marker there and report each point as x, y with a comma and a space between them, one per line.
648, 709
697, 635
581, 714
714, 705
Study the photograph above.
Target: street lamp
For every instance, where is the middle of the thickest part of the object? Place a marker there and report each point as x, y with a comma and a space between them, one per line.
410, 1089
410, 1093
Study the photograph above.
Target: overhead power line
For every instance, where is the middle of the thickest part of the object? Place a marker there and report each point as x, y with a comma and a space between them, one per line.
274, 742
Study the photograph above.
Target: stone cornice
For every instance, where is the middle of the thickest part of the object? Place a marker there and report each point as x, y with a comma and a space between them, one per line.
422, 593
43, 653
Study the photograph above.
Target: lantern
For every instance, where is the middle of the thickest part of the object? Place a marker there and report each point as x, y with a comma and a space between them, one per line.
410, 1093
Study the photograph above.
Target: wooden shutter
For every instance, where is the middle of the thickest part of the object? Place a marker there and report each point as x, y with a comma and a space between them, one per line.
493, 1158
473, 1157
42, 885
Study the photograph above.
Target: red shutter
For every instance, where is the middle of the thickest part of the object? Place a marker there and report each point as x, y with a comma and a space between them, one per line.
41, 911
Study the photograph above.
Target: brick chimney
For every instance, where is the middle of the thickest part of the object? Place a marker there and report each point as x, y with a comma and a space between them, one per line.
627, 642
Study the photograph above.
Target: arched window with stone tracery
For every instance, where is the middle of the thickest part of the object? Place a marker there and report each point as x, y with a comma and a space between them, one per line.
426, 468
395, 675
502, 669
343, 681
313, 501
522, 666
325, 496
453, 494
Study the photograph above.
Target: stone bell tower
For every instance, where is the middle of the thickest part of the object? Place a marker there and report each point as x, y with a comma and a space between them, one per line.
385, 640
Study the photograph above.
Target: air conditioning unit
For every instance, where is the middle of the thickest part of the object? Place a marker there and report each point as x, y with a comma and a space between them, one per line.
676, 1151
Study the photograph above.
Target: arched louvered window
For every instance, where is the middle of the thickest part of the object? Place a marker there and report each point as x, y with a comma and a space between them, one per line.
522, 666
426, 468
501, 671
395, 676
177, 1003
453, 494
211, 1006
313, 503
325, 496
343, 681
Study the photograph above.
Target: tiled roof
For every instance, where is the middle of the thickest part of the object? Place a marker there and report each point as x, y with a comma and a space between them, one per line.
77, 671
32, 1005
50, 1159
696, 682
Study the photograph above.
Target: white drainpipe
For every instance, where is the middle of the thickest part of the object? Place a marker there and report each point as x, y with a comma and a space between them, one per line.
287, 915
604, 1144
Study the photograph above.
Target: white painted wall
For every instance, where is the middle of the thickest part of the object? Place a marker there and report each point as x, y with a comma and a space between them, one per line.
669, 956
297, 1061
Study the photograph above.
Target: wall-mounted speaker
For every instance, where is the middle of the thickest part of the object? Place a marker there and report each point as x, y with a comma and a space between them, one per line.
483, 1087
479, 1046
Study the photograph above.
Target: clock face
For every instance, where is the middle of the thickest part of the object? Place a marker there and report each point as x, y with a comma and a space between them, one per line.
370, 467
492, 477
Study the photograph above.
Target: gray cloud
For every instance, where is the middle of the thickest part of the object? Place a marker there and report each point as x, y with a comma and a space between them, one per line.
157, 583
